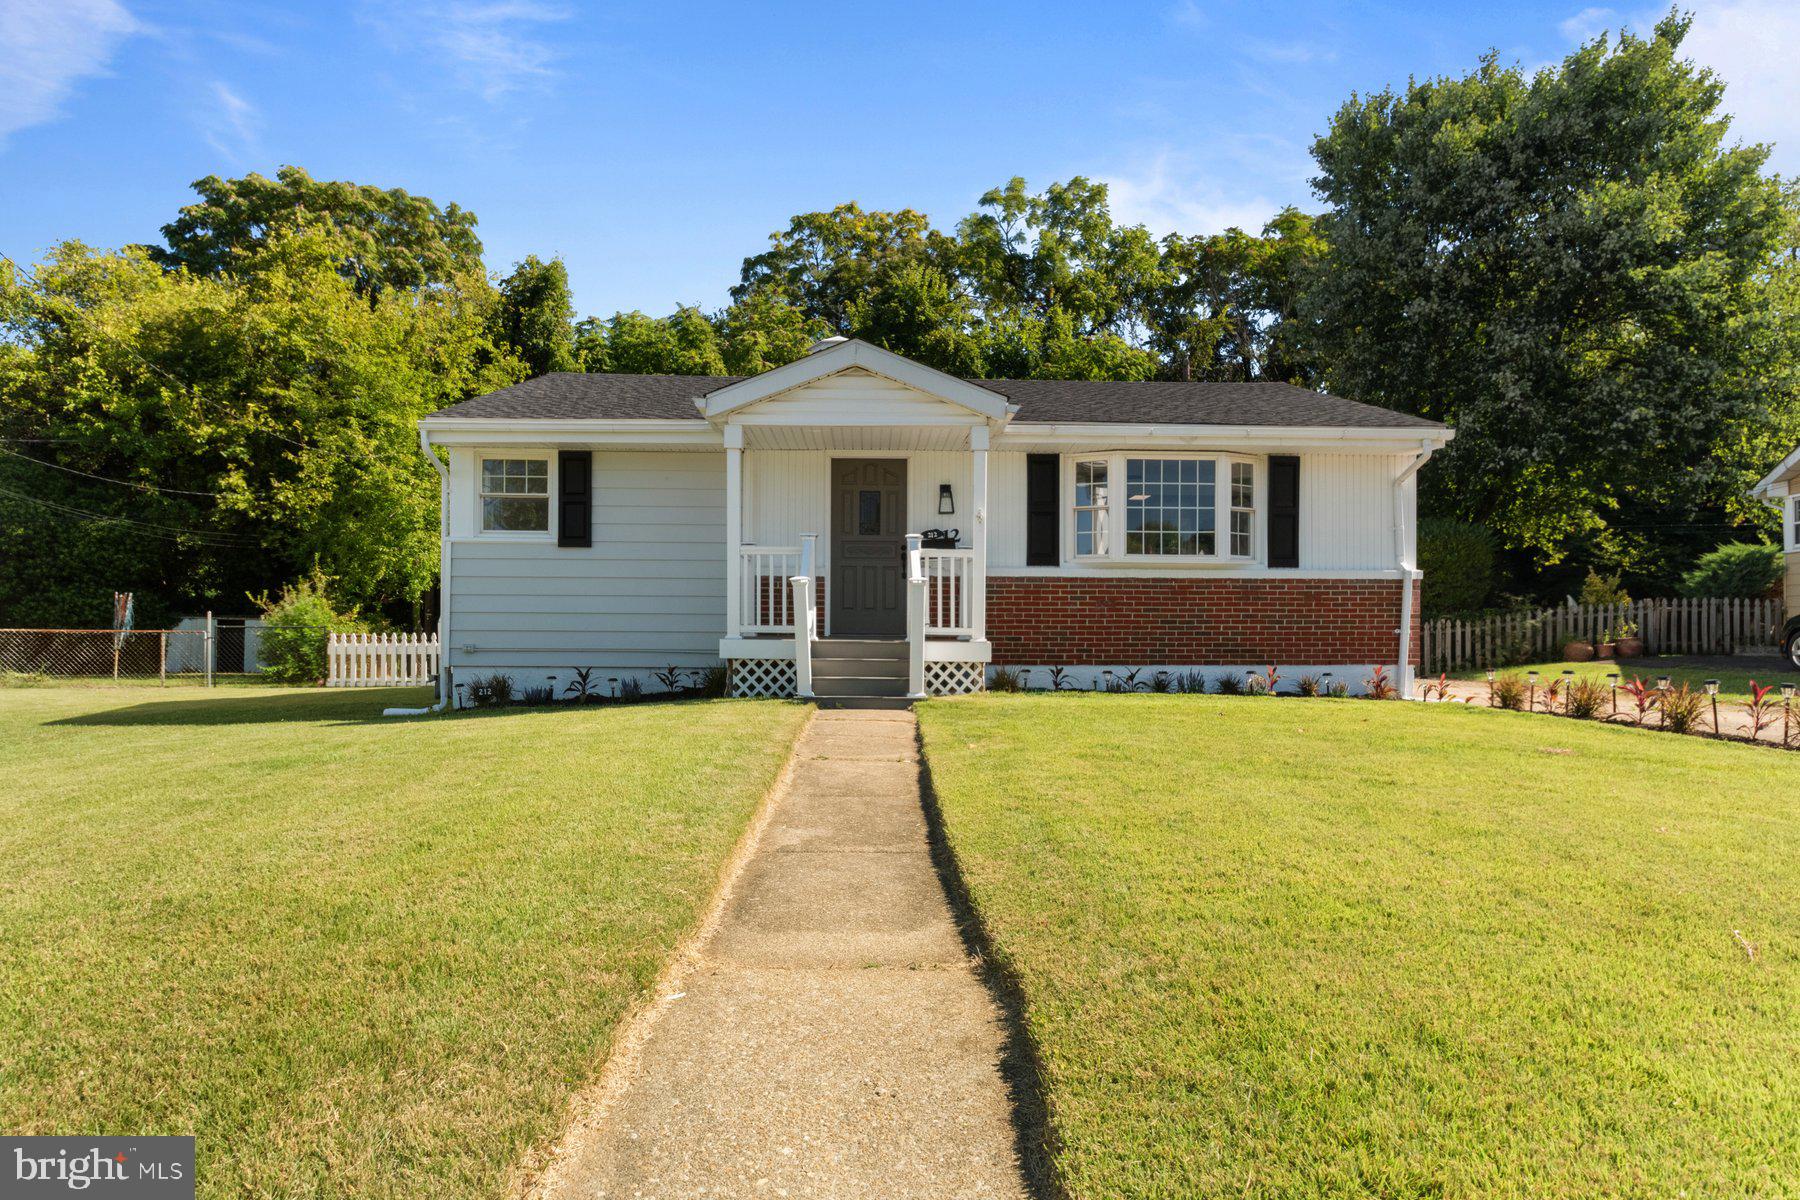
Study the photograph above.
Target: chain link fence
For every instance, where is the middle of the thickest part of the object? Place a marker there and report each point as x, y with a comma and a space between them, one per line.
103, 655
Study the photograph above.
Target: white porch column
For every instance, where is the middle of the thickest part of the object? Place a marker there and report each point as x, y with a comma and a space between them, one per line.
978, 483
734, 526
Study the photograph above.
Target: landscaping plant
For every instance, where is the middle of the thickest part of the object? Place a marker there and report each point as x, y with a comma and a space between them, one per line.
1438, 688
1378, 686
1230, 684
581, 688
1681, 708
1760, 710
1507, 691
1644, 698
491, 691
1308, 685
1006, 679
1059, 680
1587, 698
1337, 689
296, 626
670, 677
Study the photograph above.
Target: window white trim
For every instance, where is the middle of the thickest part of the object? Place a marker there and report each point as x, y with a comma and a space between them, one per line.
1792, 524
479, 510
1117, 502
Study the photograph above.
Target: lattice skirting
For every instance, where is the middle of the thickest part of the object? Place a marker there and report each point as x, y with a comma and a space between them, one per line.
954, 678
759, 678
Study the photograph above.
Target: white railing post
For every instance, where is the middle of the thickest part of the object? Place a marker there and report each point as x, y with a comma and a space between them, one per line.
915, 617
734, 527
806, 616
977, 580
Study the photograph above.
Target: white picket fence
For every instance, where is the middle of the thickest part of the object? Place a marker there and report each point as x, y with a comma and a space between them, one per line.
1712, 625
381, 659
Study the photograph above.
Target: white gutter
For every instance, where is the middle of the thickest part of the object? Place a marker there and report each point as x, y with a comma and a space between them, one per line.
1409, 572
443, 583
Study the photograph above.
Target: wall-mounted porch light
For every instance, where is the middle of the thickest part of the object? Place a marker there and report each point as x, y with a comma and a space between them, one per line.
946, 500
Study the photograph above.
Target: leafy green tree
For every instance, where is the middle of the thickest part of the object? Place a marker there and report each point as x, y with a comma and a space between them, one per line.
763, 331
193, 438
912, 308
297, 627
390, 238
536, 315
824, 262
683, 343
1579, 273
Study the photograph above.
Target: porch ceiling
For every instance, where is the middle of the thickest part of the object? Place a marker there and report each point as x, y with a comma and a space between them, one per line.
856, 437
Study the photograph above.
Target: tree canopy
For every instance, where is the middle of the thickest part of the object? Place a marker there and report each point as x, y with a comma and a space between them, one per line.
1580, 273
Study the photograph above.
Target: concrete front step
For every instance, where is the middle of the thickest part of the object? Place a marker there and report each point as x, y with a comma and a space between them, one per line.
854, 668
867, 702
859, 685
876, 648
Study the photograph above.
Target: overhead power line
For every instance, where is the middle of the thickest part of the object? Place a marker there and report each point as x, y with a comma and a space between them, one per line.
149, 528
148, 487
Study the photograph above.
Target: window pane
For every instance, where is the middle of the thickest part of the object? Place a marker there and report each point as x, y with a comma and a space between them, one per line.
1243, 486
1170, 501
868, 511
512, 514
515, 476
1090, 507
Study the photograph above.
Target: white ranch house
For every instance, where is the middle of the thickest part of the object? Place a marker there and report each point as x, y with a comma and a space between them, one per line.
779, 523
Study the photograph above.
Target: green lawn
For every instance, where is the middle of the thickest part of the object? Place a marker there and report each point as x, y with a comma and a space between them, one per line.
1307, 948
358, 957
1733, 684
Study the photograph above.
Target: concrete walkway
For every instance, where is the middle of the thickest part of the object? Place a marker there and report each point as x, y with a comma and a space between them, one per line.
831, 1037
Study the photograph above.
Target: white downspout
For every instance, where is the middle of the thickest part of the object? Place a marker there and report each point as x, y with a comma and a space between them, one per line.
443, 475
1405, 554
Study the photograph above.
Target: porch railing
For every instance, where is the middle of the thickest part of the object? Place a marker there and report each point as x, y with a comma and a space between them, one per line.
949, 589
806, 616
765, 597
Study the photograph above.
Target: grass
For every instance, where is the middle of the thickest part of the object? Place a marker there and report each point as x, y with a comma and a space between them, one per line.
1734, 685
356, 956
1308, 948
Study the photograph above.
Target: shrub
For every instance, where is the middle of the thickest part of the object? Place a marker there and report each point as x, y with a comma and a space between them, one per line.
1378, 686
1458, 562
1681, 708
1006, 679
631, 690
1643, 697
295, 625
1603, 589
490, 691
1308, 685
1191, 682
1337, 689
1740, 569
545, 694
711, 681
1588, 698
1508, 691
1230, 684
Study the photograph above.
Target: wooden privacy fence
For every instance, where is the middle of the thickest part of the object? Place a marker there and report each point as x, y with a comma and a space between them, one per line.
1710, 625
381, 659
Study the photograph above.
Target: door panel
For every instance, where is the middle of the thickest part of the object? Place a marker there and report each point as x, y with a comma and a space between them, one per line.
868, 546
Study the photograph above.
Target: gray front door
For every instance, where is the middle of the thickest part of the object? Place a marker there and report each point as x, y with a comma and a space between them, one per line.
868, 547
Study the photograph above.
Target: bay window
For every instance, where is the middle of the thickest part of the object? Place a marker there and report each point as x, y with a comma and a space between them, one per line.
1172, 507
515, 495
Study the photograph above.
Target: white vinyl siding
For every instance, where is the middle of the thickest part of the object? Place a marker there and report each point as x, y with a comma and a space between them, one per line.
650, 591
1347, 511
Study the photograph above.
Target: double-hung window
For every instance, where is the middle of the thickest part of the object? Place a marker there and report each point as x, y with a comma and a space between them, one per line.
515, 495
1168, 508
1793, 542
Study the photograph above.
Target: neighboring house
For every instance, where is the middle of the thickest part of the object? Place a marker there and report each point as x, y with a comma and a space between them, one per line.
1781, 488
632, 522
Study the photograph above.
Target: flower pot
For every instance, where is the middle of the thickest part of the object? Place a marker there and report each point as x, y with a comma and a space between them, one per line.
1630, 647
1604, 649
1578, 651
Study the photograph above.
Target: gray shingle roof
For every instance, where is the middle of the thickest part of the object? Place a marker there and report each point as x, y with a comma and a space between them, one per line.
575, 396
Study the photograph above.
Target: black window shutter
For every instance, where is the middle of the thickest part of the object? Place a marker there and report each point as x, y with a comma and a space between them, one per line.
575, 498
1043, 518
1284, 510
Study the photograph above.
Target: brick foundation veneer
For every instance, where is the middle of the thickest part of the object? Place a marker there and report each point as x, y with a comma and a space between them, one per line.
1071, 621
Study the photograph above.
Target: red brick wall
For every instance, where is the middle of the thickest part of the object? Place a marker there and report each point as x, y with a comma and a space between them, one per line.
1060, 620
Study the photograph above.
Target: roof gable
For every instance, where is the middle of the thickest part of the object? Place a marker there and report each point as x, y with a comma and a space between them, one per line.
851, 358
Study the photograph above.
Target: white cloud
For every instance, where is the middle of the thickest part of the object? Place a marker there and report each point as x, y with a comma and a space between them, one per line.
1589, 23
492, 46
1188, 13
1753, 45
1166, 194
231, 123
48, 46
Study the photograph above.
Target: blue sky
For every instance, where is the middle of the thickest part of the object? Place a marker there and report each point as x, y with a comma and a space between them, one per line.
652, 146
